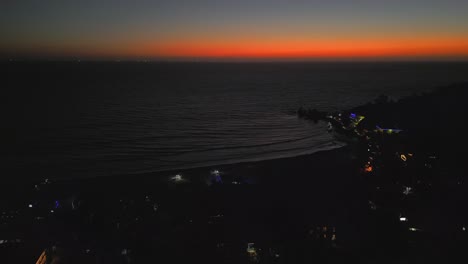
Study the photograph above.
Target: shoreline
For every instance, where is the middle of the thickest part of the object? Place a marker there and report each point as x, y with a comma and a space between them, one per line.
248, 172
253, 172
207, 168
326, 201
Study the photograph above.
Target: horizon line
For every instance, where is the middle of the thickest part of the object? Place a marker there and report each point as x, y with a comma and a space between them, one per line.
237, 60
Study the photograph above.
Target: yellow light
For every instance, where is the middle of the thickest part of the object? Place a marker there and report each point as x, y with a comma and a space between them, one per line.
42, 258
403, 157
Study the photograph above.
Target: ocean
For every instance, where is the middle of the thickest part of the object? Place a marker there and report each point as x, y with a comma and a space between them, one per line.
93, 119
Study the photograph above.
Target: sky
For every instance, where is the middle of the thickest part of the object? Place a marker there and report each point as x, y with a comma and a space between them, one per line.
241, 29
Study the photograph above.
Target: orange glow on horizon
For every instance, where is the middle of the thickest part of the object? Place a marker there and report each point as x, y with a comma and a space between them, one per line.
363, 48
274, 48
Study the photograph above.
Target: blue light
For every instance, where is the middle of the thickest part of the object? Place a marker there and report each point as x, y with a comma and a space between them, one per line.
218, 179
57, 204
352, 115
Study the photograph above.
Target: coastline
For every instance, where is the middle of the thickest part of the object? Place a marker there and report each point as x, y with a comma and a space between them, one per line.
324, 201
227, 169
249, 172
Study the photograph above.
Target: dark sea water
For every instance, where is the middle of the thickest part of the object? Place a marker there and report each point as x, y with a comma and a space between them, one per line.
75, 120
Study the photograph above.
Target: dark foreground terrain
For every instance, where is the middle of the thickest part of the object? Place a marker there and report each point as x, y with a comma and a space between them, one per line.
397, 193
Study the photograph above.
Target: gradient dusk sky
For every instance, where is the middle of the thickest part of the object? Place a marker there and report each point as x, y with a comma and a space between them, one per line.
333, 29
